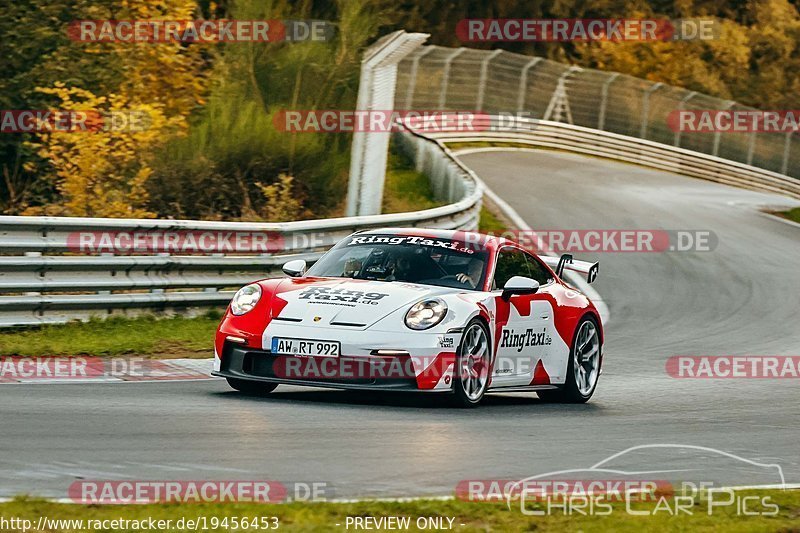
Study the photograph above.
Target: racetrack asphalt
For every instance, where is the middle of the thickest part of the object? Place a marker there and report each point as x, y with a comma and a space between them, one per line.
741, 298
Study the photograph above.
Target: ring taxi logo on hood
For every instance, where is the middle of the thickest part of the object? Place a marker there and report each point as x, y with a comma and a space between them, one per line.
408, 239
345, 296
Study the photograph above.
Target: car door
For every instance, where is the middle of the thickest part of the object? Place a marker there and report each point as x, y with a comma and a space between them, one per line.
522, 324
549, 357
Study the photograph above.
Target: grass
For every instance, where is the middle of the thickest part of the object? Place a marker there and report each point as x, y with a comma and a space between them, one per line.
793, 214
468, 516
489, 223
146, 336
405, 189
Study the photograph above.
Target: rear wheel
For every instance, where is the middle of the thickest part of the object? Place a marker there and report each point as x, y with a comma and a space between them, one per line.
583, 369
251, 388
472, 365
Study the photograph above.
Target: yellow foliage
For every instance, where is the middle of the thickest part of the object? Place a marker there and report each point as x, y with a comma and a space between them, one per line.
282, 203
100, 173
104, 173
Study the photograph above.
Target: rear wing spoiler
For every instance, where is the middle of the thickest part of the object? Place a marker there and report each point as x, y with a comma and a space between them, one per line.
567, 262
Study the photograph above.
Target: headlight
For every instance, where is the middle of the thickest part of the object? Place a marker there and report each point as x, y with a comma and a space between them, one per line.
245, 299
426, 314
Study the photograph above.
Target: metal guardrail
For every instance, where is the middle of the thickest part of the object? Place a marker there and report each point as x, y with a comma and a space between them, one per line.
56, 280
562, 136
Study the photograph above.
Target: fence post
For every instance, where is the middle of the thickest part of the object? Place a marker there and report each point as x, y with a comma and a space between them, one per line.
523, 83
376, 91
446, 76
681, 106
559, 102
601, 117
484, 75
646, 108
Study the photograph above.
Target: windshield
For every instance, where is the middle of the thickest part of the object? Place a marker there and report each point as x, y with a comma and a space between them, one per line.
428, 261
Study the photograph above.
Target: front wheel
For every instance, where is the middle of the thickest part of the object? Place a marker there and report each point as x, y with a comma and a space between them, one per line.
583, 369
251, 388
472, 365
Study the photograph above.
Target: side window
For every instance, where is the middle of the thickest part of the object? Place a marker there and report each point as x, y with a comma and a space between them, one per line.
538, 271
510, 262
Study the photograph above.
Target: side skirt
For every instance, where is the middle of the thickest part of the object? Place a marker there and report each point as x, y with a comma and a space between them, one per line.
529, 388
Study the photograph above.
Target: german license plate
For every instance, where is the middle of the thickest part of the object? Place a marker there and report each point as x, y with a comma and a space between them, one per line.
305, 347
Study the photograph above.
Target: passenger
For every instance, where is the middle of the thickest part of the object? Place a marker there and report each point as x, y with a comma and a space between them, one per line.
401, 270
352, 267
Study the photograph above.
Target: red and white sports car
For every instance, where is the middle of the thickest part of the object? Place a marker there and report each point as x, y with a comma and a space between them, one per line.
417, 310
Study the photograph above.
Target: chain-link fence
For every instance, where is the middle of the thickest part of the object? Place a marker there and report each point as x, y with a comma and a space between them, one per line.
498, 82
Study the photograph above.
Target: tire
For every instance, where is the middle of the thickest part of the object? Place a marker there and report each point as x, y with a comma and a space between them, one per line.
580, 385
251, 388
473, 360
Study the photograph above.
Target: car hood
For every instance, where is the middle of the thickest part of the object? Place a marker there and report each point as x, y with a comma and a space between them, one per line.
336, 302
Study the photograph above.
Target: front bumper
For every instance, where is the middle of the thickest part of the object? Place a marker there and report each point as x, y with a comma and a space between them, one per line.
357, 373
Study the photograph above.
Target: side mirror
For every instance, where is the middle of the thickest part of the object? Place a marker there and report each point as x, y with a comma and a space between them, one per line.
295, 268
519, 285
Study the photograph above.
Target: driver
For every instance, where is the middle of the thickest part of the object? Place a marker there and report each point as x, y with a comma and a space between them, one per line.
351, 267
473, 274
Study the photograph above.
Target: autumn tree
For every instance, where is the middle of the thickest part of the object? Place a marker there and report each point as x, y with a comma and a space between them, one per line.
103, 173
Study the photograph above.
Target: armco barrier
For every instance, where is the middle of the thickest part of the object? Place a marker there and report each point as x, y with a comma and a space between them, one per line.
46, 278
